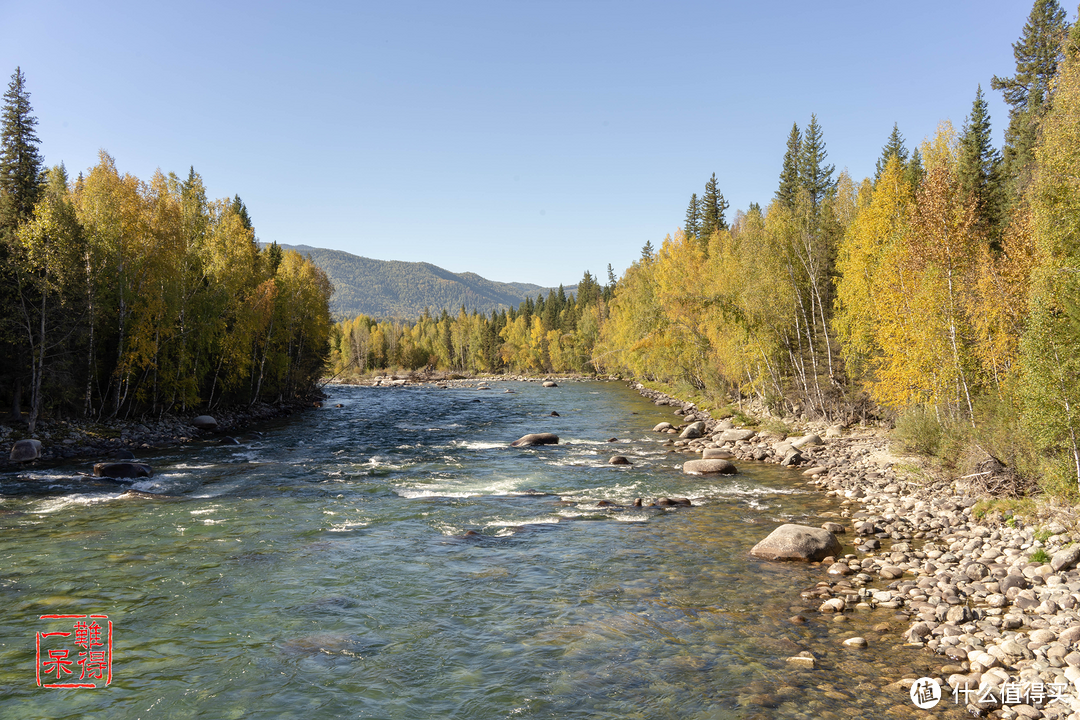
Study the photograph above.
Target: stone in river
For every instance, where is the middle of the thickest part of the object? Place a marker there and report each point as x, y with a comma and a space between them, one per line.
618, 460
715, 466
25, 450
673, 502
834, 528
797, 542
693, 431
122, 470
716, 454
204, 422
536, 439
663, 427
549, 383
855, 642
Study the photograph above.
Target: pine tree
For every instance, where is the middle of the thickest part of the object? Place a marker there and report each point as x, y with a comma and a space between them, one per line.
1037, 53
693, 218
712, 213
815, 177
20, 163
241, 211
789, 174
894, 146
979, 168
647, 251
914, 171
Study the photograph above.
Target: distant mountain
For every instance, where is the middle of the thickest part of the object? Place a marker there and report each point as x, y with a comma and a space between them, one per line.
395, 289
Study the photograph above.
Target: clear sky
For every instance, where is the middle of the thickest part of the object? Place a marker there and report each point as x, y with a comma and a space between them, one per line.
524, 141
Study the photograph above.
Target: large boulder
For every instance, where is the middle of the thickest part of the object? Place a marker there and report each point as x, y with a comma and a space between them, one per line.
663, 427
25, 450
548, 383
619, 460
1065, 559
736, 435
536, 439
805, 441
693, 431
713, 466
204, 422
122, 470
797, 542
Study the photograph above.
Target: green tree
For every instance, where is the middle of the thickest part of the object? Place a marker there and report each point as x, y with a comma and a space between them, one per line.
1038, 53
979, 169
789, 174
692, 228
893, 146
815, 177
713, 207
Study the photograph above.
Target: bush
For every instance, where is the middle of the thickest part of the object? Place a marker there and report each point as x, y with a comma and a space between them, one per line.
919, 431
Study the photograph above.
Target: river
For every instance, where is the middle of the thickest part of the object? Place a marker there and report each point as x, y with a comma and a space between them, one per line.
394, 558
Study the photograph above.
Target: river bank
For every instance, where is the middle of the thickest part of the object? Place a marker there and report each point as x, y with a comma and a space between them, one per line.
97, 439
997, 602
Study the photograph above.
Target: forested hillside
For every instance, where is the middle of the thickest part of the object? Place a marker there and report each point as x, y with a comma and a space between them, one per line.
124, 297
389, 289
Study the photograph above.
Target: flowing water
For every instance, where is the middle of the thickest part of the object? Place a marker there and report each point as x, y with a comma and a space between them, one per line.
394, 558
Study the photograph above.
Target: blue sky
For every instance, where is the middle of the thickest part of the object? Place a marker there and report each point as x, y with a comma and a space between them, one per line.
524, 141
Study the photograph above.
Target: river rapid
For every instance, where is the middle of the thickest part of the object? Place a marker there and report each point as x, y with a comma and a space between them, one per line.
394, 558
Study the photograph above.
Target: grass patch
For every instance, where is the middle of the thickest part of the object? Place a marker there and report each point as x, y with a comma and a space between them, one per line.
1040, 556
919, 431
1005, 510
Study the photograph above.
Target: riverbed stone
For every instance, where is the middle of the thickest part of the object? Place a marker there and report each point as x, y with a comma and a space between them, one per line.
663, 427
715, 466
1065, 559
693, 431
735, 435
549, 384
25, 450
716, 454
122, 470
806, 441
797, 542
618, 460
536, 439
204, 422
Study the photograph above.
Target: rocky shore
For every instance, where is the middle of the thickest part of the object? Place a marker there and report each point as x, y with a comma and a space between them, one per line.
998, 603
95, 440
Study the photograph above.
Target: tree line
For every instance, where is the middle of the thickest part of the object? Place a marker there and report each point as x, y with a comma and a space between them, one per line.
123, 297
553, 334
946, 286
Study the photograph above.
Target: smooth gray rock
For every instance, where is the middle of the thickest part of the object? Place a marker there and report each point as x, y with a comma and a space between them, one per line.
663, 427
618, 460
204, 422
1065, 559
797, 542
806, 440
712, 466
536, 439
693, 431
25, 450
548, 384
736, 435
716, 454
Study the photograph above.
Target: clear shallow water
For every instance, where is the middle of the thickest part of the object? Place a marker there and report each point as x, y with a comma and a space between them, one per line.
321, 569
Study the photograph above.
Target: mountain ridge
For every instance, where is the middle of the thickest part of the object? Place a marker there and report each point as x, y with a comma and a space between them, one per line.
397, 289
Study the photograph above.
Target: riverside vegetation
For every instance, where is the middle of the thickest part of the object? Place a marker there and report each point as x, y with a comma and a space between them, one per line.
124, 299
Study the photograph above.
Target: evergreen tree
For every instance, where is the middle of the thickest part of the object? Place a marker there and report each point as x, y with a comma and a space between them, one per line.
979, 168
20, 163
713, 206
1037, 53
648, 251
815, 177
913, 171
789, 174
894, 146
693, 218
241, 211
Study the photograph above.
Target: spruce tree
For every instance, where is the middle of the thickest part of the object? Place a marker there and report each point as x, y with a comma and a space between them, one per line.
1037, 52
712, 213
20, 163
979, 168
815, 177
913, 171
789, 174
693, 218
894, 146
647, 251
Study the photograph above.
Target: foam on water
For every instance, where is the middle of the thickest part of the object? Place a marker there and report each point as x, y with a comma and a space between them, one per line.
52, 505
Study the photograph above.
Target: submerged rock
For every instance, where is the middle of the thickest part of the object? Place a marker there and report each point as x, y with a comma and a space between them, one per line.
618, 460
797, 542
536, 439
548, 383
122, 470
25, 450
